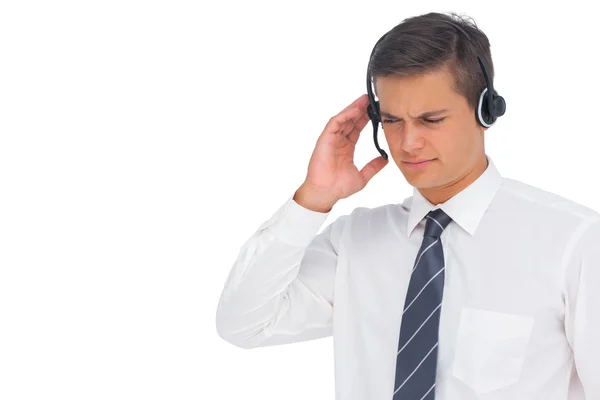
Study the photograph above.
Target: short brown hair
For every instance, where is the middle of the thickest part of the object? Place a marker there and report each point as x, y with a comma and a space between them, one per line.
426, 43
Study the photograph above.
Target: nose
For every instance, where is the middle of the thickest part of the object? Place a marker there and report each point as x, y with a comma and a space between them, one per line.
411, 138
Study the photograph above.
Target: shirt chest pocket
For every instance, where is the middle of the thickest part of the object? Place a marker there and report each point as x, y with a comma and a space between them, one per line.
490, 348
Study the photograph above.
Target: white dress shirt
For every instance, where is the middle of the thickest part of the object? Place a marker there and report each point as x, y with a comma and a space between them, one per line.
520, 315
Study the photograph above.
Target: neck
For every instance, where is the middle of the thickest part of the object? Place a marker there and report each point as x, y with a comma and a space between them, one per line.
441, 194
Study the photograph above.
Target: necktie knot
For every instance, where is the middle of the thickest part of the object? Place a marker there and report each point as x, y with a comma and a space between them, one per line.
437, 221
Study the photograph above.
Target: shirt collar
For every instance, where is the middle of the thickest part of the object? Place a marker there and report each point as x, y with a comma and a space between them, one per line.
467, 207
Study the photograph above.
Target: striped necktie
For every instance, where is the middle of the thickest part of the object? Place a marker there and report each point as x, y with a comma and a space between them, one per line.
416, 360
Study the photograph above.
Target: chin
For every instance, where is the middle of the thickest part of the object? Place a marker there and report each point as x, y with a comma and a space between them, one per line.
421, 182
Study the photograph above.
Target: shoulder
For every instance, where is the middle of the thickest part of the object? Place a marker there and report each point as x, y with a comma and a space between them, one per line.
362, 222
540, 203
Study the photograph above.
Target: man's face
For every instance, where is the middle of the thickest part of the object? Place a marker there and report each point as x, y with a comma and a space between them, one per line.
455, 143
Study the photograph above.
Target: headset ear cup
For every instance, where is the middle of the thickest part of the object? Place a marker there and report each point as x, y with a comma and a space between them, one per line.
481, 113
373, 111
485, 114
499, 106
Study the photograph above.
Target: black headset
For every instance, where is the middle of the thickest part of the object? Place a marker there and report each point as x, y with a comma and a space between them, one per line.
491, 104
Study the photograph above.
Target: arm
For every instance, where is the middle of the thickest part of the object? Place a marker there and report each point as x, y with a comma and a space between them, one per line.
280, 288
582, 321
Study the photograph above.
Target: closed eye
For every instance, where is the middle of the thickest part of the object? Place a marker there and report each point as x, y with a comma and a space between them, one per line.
434, 121
429, 121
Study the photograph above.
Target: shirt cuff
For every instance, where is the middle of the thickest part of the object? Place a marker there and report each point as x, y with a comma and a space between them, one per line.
294, 224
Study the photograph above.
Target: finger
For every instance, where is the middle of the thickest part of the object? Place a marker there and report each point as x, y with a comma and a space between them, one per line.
372, 168
358, 127
349, 125
338, 122
360, 102
343, 123
355, 125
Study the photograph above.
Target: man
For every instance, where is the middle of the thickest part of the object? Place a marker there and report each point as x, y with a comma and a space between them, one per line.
476, 287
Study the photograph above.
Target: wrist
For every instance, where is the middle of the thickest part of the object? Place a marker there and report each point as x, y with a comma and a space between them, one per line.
313, 200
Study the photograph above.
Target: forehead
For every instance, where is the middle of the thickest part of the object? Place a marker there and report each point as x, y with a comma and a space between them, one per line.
428, 88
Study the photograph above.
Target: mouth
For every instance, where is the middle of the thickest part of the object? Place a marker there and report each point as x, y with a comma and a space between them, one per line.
419, 164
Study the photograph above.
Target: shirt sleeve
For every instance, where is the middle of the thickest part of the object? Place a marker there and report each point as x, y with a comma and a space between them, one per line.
582, 318
280, 288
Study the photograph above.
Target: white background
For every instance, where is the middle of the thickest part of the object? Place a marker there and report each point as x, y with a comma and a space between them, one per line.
142, 142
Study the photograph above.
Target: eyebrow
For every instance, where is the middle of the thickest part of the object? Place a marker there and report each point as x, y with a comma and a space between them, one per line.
426, 114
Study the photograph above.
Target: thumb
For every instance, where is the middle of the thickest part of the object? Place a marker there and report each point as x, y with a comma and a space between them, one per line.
372, 168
